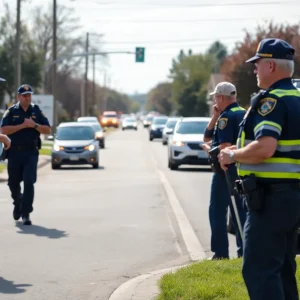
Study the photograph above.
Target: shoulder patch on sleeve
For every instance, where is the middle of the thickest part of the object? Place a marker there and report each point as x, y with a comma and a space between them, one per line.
6, 113
266, 106
222, 123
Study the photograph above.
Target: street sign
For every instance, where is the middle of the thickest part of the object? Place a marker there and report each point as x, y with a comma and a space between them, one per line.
45, 103
139, 54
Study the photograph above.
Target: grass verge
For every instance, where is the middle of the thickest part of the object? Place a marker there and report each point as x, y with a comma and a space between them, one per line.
207, 280
2, 167
44, 151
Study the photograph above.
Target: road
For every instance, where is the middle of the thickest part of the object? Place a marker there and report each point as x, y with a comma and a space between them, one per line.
95, 229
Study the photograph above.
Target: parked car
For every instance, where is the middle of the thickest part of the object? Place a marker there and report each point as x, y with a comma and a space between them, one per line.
75, 144
88, 119
129, 123
157, 127
184, 147
168, 129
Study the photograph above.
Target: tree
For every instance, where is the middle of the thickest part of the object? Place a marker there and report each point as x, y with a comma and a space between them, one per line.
219, 51
159, 99
31, 59
241, 73
190, 75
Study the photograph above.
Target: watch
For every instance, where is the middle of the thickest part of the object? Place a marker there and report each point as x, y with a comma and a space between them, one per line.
36, 125
231, 155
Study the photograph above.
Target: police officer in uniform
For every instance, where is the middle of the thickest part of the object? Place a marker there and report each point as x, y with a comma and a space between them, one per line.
23, 123
268, 158
222, 132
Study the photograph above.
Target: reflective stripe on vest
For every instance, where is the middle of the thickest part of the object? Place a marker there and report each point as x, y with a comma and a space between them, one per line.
274, 167
269, 126
238, 108
281, 93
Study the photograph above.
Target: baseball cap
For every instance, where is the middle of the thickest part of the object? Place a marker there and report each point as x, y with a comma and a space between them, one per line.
25, 89
2, 79
224, 88
273, 48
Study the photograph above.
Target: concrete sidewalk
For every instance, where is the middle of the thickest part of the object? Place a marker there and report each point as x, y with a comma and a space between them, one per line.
43, 160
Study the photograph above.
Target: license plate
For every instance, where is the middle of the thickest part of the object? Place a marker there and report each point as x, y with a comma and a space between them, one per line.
74, 157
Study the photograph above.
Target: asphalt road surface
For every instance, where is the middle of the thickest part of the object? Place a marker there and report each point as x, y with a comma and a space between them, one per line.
95, 229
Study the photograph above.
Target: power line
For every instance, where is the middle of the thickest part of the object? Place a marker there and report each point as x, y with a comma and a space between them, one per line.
168, 5
192, 21
167, 41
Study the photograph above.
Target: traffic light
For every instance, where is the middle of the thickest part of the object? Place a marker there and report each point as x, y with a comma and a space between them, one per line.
139, 54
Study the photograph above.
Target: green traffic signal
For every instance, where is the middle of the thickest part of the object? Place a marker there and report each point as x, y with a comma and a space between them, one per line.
139, 54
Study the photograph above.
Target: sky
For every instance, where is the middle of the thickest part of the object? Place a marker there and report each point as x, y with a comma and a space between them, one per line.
163, 27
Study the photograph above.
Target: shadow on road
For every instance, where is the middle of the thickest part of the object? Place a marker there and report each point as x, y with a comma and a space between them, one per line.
50, 233
8, 287
79, 167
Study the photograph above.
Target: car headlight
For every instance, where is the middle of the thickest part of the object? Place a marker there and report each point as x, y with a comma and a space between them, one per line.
134, 124
89, 148
114, 121
177, 143
104, 120
58, 148
99, 134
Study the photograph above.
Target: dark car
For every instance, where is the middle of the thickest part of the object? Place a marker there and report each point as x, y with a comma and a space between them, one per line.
157, 127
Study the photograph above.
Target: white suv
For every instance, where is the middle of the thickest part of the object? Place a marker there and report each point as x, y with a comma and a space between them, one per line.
184, 145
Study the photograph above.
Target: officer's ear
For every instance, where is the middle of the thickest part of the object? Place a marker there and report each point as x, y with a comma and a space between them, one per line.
272, 66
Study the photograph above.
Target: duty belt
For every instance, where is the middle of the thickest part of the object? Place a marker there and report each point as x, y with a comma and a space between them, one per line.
23, 148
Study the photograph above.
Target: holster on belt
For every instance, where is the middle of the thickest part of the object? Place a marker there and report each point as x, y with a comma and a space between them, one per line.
253, 193
213, 160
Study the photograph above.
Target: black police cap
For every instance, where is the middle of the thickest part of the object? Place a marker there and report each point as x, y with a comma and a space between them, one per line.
273, 48
25, 89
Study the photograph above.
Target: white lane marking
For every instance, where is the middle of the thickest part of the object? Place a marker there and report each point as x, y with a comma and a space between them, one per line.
192, 243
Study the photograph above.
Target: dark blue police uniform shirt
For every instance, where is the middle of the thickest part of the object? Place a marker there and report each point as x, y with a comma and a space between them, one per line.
279, 107
227, 126
15, 115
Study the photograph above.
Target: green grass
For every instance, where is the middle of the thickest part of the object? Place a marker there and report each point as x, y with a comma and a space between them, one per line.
2, 167
47, 143
45, 151
207, 280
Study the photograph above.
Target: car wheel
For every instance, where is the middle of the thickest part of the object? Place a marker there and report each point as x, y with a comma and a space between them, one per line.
55, 167
172, 166
95, 165
123, 129
164, 142
151, 138
135, 128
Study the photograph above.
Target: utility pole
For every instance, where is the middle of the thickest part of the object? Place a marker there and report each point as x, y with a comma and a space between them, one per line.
86, 74
94, 84
18, 48
54, 54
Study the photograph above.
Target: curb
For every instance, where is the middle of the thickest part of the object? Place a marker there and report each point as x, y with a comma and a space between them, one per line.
127, 290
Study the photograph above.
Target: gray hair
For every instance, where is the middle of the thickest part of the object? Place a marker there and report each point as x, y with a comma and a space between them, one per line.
283, 64
230, 98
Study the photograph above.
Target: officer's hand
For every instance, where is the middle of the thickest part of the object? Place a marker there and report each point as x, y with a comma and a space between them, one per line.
216, 111
205, 147
29, 123
224, 158
6, 142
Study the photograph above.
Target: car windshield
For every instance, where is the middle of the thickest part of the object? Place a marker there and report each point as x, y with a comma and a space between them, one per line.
75, 133
110, 116
193, 127
149, 118
160, 121
97, 127
130, 120
171, 124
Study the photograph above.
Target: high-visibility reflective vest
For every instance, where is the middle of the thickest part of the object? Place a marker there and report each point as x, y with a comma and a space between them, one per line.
282, 166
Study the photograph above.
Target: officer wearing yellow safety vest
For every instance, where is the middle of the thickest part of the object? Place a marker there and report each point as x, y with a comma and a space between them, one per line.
268, 162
